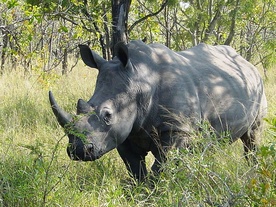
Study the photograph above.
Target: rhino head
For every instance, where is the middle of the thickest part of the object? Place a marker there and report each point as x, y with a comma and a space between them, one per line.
106, 120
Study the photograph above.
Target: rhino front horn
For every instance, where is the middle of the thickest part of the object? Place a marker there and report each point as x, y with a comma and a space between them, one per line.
62, 116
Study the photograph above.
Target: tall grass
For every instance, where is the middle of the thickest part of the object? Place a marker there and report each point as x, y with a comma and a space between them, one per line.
36, 171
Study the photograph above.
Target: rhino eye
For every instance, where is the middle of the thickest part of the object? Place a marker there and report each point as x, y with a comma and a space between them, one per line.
106, 116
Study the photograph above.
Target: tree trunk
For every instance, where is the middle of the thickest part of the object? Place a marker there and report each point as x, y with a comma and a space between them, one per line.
120, 10
3, 54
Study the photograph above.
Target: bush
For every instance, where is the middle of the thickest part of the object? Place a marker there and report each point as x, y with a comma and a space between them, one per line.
261, 189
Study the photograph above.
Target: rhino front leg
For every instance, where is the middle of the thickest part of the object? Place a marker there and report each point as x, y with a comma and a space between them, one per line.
135, 162
156, 167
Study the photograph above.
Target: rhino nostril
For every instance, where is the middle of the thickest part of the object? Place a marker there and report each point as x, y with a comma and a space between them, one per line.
89, 148
72, 153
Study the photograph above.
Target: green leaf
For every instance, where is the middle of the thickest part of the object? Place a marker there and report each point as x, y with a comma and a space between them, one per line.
63, 29
11, 4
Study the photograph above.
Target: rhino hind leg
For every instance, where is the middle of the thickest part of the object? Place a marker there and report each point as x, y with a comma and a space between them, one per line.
249, 140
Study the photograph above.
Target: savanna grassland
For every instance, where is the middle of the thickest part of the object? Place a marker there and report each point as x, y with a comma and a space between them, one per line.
36, 171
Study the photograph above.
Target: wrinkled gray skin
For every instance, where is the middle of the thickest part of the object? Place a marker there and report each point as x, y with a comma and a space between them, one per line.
141, 93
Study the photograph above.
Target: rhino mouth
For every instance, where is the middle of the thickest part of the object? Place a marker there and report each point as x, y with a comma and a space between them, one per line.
83, 152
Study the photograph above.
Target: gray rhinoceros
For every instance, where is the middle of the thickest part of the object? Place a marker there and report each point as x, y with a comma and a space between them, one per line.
142, 92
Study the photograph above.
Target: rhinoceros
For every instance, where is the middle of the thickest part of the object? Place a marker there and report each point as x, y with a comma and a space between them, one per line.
141, 93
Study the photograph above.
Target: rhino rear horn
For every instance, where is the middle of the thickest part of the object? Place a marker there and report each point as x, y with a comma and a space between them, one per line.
62, 116
83, 107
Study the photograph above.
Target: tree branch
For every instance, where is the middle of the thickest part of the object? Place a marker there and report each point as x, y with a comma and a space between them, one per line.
164, 4
101, 39
213, 22
233, 25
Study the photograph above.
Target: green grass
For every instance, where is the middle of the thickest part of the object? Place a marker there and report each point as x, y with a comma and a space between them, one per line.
36, 171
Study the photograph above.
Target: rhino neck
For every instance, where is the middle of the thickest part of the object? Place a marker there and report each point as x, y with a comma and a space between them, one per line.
146, 109
144, 84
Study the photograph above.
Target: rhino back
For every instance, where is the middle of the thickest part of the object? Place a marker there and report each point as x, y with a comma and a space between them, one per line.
211, 83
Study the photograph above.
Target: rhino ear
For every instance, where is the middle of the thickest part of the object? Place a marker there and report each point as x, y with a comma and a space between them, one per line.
121, 51
91, 58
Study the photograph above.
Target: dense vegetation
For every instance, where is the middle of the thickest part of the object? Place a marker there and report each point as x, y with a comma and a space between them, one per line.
38, 44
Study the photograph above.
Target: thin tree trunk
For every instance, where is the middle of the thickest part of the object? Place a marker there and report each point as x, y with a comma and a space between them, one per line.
233, 25
107, 36
167, 25
3, 55
50, 47
101, 39
65, 62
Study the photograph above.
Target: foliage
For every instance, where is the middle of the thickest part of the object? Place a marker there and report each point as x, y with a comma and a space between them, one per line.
37, 37
43, 35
